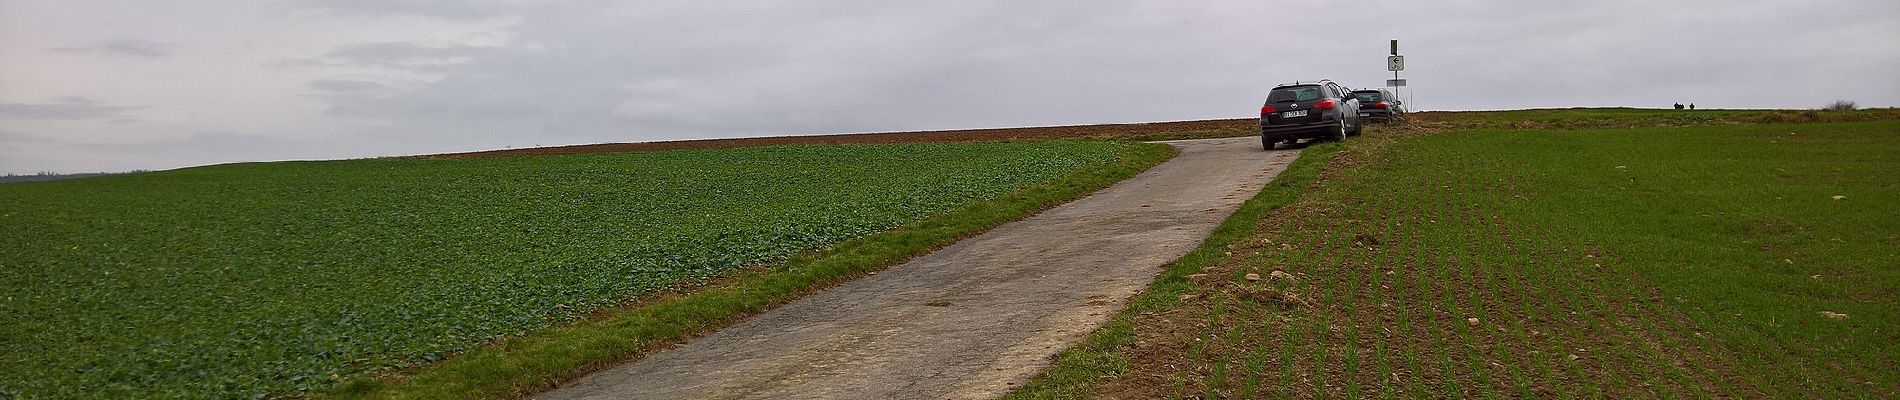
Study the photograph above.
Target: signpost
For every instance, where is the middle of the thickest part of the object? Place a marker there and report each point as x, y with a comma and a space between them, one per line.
1395, 63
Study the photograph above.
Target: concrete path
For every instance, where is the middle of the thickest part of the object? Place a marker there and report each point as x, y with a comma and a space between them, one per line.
970, 320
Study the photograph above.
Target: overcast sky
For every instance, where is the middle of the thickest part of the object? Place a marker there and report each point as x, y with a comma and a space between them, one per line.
114, 85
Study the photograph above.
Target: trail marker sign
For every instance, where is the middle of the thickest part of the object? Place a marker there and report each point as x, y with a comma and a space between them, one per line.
1395, 63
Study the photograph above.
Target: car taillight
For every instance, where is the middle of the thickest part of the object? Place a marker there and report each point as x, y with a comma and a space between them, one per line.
1324, 104
1267, 109
1379, 105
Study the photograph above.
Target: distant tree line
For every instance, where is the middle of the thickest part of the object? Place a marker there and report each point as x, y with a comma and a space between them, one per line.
54, 176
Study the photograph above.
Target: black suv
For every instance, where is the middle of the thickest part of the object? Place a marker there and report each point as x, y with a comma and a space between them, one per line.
1379, 105
1309, 110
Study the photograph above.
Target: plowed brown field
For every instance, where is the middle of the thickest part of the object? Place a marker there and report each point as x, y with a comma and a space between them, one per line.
1141, 131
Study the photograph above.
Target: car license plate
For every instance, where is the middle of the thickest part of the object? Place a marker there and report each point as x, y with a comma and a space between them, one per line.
1365, 114
1291, 114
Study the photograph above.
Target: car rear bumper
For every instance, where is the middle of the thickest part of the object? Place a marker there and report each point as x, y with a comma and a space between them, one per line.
1375, 115
1316, 130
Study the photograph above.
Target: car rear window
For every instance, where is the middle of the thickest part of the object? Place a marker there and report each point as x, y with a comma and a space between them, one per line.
1366, 96
1293, 93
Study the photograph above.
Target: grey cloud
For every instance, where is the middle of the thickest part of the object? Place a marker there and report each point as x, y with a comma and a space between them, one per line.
398, 55
403, 53
120, 47
7, 136
182, 149
10, 142
648, 72
346, 86
444, 9
576, 73
593, 71
65, 108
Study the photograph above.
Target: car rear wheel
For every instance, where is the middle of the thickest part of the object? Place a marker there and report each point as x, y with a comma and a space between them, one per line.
1339, 132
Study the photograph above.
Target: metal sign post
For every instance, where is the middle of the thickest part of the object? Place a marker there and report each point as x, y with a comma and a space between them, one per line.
1395, 63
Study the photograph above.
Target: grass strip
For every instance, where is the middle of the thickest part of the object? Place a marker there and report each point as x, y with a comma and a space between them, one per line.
523, 365
1077, 371
1656, 261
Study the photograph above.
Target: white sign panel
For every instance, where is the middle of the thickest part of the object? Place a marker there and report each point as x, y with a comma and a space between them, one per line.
1395, 63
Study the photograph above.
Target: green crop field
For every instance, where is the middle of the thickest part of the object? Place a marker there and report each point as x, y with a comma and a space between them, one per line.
272, 278
1499, 255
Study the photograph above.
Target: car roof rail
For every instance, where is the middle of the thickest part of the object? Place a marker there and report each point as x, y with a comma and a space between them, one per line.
1307, 82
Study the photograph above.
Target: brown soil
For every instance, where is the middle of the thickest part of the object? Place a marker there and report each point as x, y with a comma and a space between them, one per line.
1141, 131
1417, 123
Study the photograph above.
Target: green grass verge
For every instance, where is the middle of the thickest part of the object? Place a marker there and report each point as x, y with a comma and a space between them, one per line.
275, 278
538, 361
1709, 260
1739, 230
1097, 358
